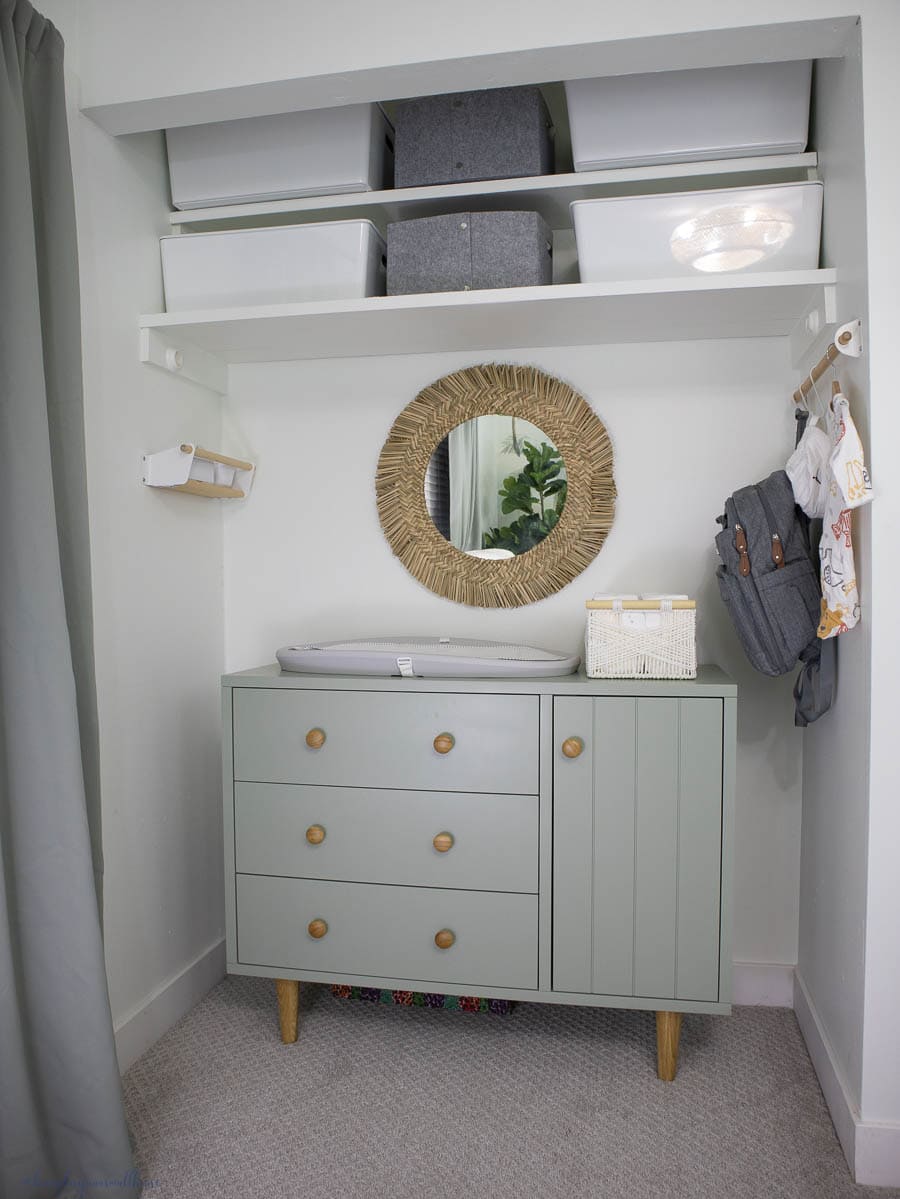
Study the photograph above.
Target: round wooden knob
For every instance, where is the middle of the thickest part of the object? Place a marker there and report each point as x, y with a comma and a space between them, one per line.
315, 834
444, 742
444, 939
315, 738
572, 747
317, 929
442, 842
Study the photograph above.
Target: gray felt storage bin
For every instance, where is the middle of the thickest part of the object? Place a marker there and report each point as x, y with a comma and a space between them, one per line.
468, 251
503, 133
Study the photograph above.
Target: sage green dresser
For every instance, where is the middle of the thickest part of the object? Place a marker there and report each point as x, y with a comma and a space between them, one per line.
560, 840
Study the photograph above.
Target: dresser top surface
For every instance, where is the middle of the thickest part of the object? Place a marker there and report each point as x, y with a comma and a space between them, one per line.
710, 682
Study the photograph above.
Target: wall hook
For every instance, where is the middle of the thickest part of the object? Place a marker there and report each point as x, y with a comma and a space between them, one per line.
848, 339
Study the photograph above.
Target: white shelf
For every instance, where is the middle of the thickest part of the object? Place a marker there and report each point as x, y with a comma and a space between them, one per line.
550, 195
760, 305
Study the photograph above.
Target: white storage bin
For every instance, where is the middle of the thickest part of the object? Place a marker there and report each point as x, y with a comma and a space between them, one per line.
687, 116
316, 153
775, 228
640, 639
331, 260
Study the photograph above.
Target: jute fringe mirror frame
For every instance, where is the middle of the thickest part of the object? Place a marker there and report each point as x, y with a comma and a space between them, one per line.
587, 516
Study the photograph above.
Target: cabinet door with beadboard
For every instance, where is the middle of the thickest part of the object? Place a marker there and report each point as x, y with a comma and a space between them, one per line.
637, 822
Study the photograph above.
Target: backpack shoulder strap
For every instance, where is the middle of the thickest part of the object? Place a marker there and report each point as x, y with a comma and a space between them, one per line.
814, 688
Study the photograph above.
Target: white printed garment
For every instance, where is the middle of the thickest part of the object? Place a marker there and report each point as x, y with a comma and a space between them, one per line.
848, 486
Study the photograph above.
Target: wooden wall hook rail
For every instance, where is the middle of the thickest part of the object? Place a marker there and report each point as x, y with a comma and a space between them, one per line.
848, 341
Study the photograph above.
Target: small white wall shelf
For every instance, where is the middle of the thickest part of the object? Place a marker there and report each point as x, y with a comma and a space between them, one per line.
550, 195
196, 471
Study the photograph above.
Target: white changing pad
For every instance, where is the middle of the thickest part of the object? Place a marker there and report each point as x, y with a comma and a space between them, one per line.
426, 657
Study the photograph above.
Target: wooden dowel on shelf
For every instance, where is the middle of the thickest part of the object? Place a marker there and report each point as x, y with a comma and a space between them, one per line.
211, 490
641, 605
212, 456
821, 367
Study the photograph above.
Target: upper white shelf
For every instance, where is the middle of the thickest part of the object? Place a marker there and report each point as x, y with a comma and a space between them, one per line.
759, 305
550, 195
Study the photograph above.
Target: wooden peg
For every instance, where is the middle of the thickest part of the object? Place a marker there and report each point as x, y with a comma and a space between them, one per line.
212, 456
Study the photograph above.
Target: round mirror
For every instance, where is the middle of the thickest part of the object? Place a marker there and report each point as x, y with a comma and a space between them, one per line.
531, 512
495, 486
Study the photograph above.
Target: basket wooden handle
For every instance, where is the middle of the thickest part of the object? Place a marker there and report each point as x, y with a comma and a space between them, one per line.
640, 605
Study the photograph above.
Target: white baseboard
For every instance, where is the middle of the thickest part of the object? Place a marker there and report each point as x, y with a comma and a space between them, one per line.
872, 1150
844, 1112
877, 1154
145, 1024
763, 984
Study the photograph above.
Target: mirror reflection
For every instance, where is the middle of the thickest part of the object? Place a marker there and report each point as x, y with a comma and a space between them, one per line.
495, 486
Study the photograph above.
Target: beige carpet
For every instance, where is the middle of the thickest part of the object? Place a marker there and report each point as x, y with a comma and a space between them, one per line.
377, 1102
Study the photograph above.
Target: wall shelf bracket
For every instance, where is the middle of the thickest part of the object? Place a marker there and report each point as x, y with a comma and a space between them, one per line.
815, 321
187, 361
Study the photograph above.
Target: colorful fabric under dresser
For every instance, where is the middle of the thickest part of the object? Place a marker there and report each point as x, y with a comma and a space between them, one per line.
461, 1003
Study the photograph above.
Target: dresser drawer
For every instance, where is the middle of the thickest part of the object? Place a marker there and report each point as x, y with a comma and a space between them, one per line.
385, 739
380, 836
388, 932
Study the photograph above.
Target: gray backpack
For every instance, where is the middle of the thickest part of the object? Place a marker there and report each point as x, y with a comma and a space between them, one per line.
769, 580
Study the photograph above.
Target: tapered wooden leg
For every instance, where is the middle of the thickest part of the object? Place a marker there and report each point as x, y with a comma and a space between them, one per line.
288, 991
668, 1030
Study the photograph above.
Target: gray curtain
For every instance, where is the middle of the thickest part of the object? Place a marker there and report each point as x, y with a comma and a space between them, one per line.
62, 1125
465, 530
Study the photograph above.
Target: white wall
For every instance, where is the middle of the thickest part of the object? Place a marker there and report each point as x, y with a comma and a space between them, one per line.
835, 768
157, 576
307, 558
881, 1048
157, 592
849, 960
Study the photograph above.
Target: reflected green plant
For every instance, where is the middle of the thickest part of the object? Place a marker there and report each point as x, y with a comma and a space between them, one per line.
539, 481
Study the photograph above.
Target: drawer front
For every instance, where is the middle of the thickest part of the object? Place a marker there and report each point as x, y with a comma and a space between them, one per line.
386, 739
380, 836
388, 932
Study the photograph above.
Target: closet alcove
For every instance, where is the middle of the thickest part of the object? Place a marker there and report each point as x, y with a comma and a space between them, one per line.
769, 337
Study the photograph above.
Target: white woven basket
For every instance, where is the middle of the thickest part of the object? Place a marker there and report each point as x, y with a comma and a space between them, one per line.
640, 639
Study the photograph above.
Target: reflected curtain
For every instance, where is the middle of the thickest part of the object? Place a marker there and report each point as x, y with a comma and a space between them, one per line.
465, 526
437, 488
61, 1119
